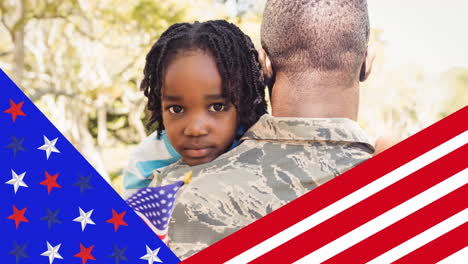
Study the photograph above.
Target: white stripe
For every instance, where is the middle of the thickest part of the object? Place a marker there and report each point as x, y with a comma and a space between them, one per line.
423, 238
351, 199
386, 219
457, 258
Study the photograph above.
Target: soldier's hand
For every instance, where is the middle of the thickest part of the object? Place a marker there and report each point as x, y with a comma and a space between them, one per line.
384, 142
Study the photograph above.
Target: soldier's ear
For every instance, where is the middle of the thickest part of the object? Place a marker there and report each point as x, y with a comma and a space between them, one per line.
366, 67
267, 69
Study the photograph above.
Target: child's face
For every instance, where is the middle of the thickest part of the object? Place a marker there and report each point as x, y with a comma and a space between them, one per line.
198, 121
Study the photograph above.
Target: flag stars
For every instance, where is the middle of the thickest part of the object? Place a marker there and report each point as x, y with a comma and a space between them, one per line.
52, 252
18, 216
84, 219
15, 110
118, 254
16, 145
50, 182
156, 204
151, 255
46, 216
49, 146
117, 220
83, 183
17, 180
51, 217
18, 251
85, 254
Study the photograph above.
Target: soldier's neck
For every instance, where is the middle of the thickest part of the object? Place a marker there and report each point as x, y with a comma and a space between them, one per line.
315, 96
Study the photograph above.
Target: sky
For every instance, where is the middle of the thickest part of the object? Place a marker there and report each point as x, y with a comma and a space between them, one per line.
429, 33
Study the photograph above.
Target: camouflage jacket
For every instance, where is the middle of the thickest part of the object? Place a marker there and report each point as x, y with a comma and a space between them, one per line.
279, 160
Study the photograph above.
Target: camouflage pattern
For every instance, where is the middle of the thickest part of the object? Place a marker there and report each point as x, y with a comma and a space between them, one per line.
279, 160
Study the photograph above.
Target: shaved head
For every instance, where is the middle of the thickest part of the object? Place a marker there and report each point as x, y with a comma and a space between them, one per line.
316, 35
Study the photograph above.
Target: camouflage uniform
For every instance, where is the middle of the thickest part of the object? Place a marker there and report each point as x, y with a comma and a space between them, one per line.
279, 160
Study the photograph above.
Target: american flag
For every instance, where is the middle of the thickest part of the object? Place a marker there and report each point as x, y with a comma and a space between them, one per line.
55, 207
155, 205
406, 205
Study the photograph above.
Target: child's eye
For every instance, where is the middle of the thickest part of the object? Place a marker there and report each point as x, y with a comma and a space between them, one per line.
175, 109
216, 107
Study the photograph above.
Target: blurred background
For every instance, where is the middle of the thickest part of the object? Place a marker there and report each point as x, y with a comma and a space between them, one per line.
81, 62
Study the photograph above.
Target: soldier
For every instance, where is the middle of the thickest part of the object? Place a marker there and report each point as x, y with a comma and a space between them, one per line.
318, 50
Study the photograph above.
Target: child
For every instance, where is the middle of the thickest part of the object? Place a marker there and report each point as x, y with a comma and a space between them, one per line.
204, 89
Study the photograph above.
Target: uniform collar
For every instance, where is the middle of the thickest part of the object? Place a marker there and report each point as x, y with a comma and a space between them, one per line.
306, 129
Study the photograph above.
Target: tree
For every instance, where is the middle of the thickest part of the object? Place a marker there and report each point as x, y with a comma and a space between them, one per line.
81, 60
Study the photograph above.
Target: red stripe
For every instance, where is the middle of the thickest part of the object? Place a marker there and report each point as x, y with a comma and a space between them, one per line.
404, 229
440, 248
368, 209
331, 192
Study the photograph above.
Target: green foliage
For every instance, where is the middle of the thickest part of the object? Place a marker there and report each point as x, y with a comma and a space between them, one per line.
154, 16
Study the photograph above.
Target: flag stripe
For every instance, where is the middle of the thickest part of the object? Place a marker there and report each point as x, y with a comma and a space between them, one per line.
440, 247
326, 194
346, 203
368, 209
387, 218
404, 229
458, 257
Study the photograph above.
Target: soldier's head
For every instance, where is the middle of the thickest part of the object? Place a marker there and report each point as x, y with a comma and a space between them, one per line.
203, 82
317, 36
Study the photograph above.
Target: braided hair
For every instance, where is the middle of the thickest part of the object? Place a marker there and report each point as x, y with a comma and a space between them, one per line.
236, 59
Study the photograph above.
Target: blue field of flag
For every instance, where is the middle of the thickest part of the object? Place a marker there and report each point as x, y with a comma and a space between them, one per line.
55, 207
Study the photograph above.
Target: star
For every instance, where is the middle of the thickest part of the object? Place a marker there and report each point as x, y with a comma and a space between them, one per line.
51, 217
16, 145
117, 220
84, 218
118, 254
49, 146
85, 253
52, 252
17, 180
15, 110
151, 256
50, 181
18, 216
18, 251
83, 183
